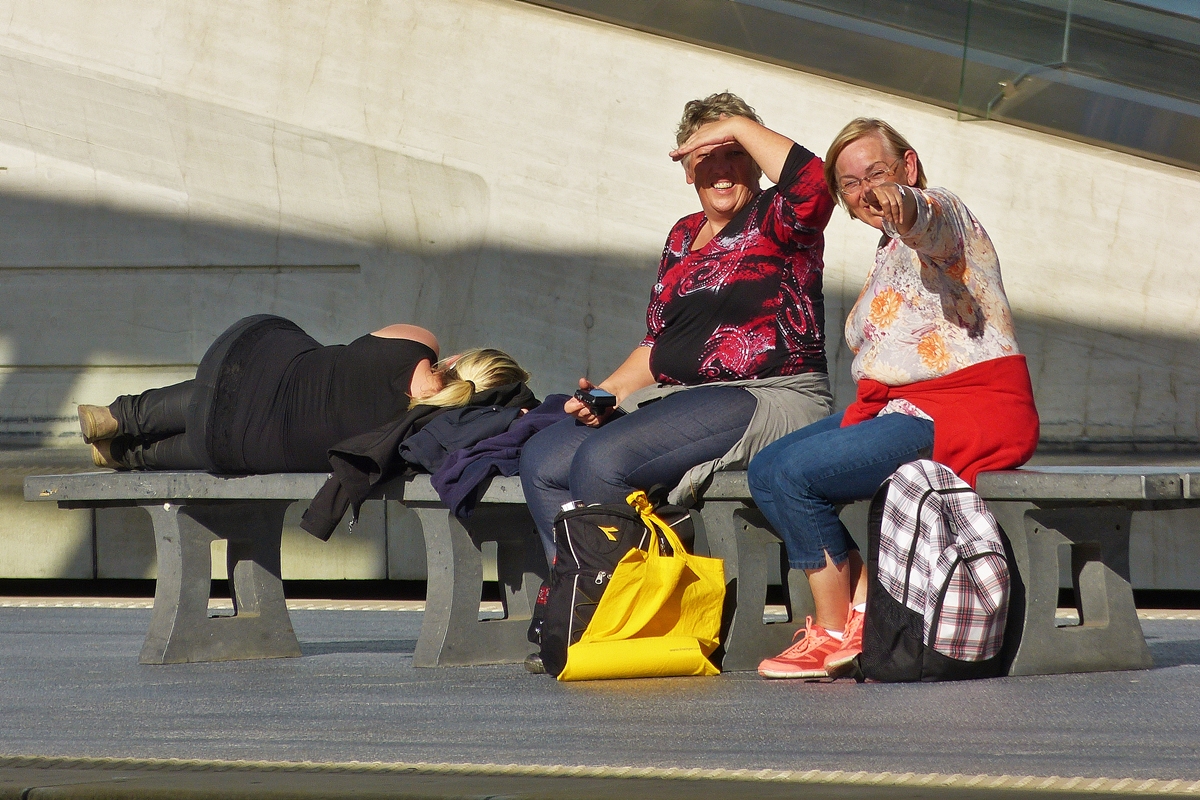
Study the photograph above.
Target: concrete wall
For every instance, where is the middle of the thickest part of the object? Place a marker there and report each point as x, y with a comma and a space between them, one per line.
497, 172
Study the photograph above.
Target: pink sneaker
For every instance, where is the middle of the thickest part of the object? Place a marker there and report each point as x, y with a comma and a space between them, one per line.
805, 658
842, 661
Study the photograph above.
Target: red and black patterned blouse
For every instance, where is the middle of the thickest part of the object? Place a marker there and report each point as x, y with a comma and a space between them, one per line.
748, 304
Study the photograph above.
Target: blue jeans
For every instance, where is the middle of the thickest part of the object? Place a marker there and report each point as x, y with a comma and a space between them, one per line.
656, 444
798, 481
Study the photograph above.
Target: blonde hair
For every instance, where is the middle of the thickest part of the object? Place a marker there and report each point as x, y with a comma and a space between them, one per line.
857, 129
474, 371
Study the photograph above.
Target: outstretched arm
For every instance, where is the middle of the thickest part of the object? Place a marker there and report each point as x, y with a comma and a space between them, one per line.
768, 148
634, 374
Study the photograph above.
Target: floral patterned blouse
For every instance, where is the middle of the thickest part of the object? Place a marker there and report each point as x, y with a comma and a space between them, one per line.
934, 302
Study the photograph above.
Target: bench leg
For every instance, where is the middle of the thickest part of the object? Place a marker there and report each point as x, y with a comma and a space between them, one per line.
520, 566
742, 537
181, 630
1109, 636
451, 632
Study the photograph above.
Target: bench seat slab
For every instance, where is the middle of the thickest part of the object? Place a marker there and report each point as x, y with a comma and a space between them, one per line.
181, 629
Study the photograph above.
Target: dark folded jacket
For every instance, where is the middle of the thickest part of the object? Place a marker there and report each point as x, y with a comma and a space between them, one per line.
428, 448
465, 474
361, 462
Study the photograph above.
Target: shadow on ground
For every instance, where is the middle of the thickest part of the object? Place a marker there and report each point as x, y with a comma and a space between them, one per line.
406, 646
1172, 644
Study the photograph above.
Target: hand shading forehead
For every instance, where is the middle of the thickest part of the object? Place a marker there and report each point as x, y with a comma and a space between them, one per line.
726, 150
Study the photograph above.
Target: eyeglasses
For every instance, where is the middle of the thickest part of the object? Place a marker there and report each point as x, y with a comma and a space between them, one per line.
877, 174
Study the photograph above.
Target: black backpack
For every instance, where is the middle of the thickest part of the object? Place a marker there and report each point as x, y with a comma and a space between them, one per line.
939, 581
589, 541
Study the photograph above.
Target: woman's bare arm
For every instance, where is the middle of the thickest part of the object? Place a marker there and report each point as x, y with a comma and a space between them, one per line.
632, 375
768, 148
414, 332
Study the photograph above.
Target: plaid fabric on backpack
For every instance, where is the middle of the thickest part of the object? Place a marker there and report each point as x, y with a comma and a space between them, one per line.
938, 580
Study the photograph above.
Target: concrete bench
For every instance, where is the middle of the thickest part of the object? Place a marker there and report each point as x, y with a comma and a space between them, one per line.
1081, 514
190, 510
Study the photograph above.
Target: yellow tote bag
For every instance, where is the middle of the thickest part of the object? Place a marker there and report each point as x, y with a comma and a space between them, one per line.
660, 615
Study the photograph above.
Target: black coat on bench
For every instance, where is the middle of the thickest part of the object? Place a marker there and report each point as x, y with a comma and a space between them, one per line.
361, 462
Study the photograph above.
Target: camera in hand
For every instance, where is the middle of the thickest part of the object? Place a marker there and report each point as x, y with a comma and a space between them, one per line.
597, 400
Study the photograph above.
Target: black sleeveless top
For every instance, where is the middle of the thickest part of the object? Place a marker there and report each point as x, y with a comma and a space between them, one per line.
281, 399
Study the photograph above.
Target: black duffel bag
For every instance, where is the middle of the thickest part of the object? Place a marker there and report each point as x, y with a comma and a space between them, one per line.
589, 541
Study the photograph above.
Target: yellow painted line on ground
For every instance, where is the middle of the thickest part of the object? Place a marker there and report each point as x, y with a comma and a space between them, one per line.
772, 614
1169, 613
931, 780
489, 607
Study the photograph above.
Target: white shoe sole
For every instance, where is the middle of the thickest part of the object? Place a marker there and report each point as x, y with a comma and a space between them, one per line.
846, 661
808, 673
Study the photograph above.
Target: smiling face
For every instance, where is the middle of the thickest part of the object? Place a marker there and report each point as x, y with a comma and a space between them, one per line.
725, 179
866, 157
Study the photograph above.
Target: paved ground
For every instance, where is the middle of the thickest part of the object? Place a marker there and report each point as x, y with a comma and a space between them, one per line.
75, 707
70, 686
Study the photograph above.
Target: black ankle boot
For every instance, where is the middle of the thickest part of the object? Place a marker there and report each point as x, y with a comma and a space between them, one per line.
125, 452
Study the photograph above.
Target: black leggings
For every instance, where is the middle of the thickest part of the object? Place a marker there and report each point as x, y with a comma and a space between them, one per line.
152, 429
169, 428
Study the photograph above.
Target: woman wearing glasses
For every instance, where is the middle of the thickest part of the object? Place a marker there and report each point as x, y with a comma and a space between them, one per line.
939, 375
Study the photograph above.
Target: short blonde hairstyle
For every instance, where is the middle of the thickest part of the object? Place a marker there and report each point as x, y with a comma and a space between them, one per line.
474, 371
857, 129
711, 109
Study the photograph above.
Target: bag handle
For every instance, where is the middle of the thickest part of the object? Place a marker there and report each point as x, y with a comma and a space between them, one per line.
641, 504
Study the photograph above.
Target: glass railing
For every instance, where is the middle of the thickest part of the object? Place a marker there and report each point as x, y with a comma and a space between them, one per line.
1120, 73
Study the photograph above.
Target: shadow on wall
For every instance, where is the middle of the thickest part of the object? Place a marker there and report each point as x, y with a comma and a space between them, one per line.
102, 300
140, 223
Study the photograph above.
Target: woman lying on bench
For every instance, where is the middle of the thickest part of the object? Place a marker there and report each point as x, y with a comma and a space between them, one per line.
267, 397
938, 371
